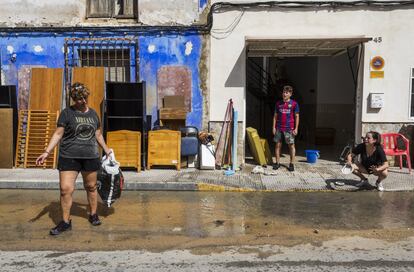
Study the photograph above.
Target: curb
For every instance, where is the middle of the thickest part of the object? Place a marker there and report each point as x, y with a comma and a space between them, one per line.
131, 186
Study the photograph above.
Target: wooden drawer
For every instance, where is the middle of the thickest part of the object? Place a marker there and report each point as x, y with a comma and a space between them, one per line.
173, 113
164, 148
127, 147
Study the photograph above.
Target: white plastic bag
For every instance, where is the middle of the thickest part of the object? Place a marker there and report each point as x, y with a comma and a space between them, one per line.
347, 169
110, 164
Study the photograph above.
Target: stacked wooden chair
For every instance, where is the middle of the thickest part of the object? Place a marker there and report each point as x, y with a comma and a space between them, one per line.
37, 124
35, 130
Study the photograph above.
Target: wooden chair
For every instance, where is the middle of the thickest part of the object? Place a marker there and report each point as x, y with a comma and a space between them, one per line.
391, 147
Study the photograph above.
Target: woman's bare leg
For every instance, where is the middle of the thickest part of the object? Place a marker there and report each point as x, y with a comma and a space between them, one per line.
67, 187
382, 175
359, 170
89, 182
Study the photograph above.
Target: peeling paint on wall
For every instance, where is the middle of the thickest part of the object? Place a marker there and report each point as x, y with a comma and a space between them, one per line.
14, 13
18, 54
21, 51
203, 74
174, 80
171, 51
202, 4
40, 13
10, 49
188, 48
38, 48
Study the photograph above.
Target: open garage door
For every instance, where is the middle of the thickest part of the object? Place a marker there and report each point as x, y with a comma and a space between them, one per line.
301, 47
324, 74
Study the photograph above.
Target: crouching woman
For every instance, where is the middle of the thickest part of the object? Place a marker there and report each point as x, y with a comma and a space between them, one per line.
372, 160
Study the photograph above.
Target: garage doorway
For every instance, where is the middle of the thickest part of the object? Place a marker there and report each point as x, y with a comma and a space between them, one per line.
324, 75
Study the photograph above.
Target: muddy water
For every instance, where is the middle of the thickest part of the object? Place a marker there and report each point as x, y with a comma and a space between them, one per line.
203, 221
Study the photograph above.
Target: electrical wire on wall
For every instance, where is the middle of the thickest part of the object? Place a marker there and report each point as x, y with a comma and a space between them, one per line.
222, 33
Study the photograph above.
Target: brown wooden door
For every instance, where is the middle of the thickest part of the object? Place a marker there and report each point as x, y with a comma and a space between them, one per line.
46, 86
94, 80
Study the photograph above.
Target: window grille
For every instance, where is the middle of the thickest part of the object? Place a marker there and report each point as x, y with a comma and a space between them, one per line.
112, 9
115, 61
119, 56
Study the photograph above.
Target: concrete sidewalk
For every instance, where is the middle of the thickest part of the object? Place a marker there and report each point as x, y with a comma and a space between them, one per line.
307, 177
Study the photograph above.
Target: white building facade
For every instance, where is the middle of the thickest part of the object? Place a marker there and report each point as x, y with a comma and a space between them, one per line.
316, 44
324, 49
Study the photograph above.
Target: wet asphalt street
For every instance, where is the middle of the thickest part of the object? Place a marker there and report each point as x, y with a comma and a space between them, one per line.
189, 231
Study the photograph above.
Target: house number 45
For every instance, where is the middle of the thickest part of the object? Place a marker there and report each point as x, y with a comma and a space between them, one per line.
377, 39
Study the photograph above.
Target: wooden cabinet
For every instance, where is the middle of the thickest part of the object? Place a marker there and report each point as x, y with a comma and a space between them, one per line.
8, 99
164, 148
173, 114
127, 147
6, 138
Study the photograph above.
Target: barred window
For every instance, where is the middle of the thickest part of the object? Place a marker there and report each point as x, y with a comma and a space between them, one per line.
112, 9
115, 61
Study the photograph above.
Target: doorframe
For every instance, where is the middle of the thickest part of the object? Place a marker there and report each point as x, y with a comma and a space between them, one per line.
359, 94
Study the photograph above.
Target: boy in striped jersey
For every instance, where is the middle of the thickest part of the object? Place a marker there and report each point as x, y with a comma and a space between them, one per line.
285, 123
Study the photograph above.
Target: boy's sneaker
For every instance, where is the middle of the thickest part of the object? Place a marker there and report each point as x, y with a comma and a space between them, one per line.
94, 219
291, 167
61, 227
363, 182
379, 186
276, 166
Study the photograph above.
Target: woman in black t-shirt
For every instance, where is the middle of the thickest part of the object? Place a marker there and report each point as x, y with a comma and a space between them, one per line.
78, 131
373, 160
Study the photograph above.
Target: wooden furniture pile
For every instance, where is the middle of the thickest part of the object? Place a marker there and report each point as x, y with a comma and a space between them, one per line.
36, 128
123, 115
37, 124
173, 114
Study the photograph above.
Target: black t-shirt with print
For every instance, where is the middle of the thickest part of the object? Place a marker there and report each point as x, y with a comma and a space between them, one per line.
78, 141
377, 158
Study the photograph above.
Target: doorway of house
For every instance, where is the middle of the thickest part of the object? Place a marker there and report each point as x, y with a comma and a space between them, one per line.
324, 76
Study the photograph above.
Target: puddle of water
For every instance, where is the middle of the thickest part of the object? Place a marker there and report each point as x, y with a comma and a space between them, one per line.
145, 216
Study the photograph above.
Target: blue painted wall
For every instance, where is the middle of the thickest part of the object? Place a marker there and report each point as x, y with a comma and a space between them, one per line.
18, 51
202, 4
155, 51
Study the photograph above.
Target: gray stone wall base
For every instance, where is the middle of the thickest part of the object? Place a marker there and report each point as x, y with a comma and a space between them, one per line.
406, 129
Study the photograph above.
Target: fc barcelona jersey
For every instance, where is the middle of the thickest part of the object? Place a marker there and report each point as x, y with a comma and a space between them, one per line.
286, 114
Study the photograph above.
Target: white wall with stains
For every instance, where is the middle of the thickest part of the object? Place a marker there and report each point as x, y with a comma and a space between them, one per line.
182, 12
36, 13
20, 13
395, 27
